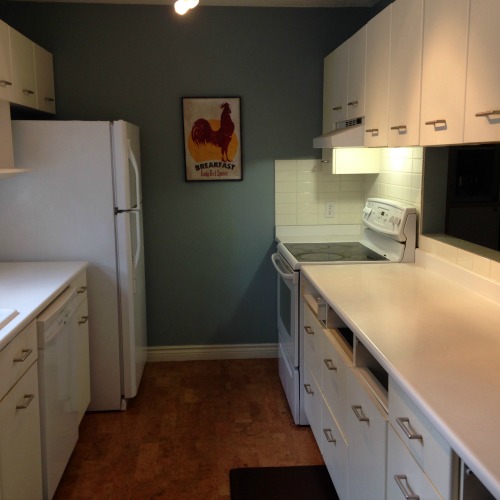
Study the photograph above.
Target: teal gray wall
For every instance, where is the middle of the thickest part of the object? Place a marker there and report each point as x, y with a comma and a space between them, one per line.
208, 245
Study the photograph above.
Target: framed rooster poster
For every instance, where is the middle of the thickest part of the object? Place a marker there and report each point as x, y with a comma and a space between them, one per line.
212, 138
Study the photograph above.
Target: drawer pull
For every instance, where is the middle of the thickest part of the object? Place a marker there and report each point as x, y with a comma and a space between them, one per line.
28, 92
352, 103
49, 99
308, 389
28, 398
329, 436
400, 128
372, 131
336, 108
405, 488
5, 83
329, 364
82, 289
309, 330
83, 320
358, 411
488, 113
24, 354
404, 423
436, 122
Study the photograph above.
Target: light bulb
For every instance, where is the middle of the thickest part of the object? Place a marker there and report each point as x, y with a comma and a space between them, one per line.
193, 3
181, 7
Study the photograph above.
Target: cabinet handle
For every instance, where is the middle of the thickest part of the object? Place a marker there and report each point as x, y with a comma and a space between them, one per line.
28, 398
372, 131
325, 161
329, 364
352, 103
400, 128
83, 320
336, 108
436, 122
309, 330
82, 289
28, 92
24, 354
308, 389
358, 411
407, 491
488, 113
5, 83
404, 423
329, 436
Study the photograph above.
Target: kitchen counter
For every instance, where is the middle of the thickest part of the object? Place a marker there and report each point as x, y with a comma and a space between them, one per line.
29, 287
435, 328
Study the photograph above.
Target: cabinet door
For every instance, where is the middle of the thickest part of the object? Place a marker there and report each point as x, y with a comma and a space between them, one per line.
44, 80
367, 435
23, 69
356, 74
482, 102
378, 39
335, 87
443, 71
404, 477
20, 451
405, 72
312, 404
5, 64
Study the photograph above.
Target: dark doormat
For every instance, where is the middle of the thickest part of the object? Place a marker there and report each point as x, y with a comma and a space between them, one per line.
310, 482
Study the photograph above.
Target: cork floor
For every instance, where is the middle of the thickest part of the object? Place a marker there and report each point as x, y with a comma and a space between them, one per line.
189, 425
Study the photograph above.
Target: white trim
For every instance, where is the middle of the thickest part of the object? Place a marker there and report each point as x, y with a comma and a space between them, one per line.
195, 352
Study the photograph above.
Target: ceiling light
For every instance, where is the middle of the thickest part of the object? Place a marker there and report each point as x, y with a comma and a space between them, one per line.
182, 6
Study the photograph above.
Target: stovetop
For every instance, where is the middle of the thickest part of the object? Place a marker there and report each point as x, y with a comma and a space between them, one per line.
332, 252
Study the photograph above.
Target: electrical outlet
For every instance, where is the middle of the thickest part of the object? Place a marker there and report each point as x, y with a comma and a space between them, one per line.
329, 209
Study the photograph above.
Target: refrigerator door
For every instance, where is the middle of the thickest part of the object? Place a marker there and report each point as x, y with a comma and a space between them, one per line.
130, 245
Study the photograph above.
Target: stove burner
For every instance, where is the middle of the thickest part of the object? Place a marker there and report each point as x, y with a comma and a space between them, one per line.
332, 252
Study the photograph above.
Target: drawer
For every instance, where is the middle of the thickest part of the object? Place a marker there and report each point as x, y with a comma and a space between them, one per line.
80, 283
334, 450
312, 404
312, 335
16, 357
404, 475
335, 366
427, 446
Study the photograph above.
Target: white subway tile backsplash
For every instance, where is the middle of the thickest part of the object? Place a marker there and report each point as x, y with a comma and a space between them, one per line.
285, 187
285, 198
285, 176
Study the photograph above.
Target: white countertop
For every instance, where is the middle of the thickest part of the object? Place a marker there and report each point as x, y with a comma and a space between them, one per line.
437, 337
29, 287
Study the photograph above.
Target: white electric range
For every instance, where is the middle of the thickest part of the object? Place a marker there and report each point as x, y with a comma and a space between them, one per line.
388, 235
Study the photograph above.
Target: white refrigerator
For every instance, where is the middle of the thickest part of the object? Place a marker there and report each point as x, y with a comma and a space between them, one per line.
81, 200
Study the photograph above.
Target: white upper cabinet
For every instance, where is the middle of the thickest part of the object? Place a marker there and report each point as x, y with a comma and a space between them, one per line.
405, 72
5, 65
378, 39
44, 80
356, 46
443, 71
335, 87
482, 102
23, 70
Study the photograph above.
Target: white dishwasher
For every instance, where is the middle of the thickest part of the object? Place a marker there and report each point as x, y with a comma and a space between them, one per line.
57, 328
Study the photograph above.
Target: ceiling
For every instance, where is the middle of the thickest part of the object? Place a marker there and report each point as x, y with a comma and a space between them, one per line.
240, 3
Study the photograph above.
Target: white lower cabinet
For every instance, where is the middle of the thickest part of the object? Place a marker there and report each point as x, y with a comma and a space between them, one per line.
367, 438
312, 403
405, 478
20, 452
334, 449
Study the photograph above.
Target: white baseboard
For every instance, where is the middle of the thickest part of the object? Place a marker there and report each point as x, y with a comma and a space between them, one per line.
197, 352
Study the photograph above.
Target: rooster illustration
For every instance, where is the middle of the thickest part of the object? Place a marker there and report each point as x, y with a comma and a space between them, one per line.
202, 132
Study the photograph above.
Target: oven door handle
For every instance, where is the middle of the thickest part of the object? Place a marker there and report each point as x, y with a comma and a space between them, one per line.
279, 265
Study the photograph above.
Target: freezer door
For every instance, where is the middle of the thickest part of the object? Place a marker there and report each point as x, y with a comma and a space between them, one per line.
130, 246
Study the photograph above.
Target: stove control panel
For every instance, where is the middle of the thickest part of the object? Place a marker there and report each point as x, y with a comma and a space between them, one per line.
387, 217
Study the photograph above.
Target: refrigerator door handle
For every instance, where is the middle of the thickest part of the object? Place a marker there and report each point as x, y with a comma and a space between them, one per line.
138, 248
135, 166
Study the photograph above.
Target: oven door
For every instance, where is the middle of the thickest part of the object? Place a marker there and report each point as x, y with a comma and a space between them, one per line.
288, 309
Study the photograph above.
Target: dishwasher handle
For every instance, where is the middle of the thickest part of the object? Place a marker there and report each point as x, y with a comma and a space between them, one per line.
56, 315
